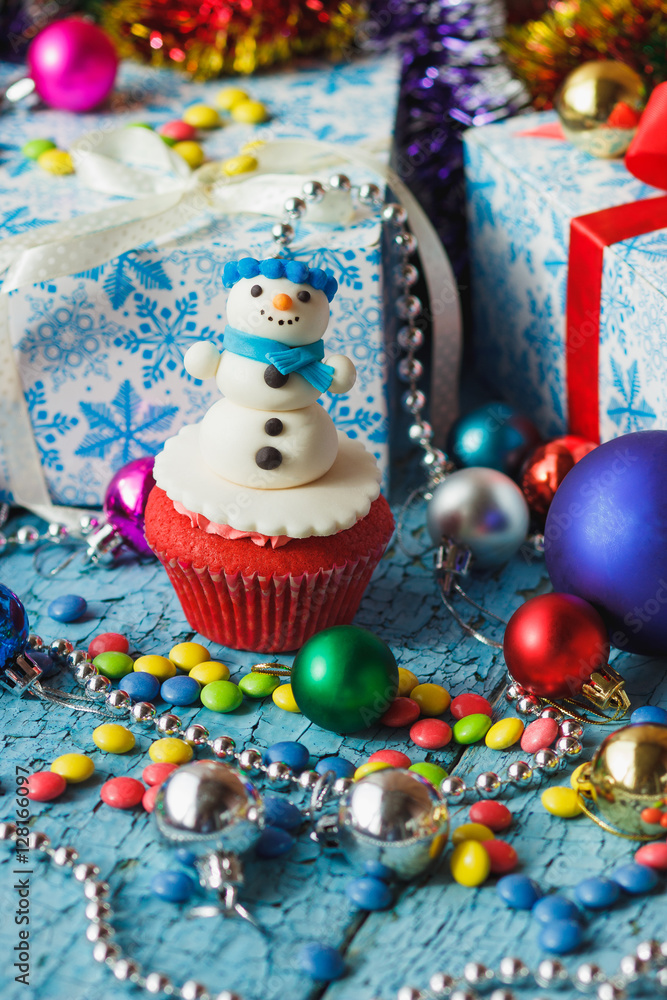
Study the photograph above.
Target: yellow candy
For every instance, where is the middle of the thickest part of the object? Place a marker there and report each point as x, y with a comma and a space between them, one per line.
407, 682
209, 671
201, 116
158, 666
170, 751
228, 97
113, 738
250, 112
73, 767
241, 164
562, 801
252, 146
470, 863
369, 767
431, 698
472, 831
191, 152
504, 733
186, 655
56, 161
576, 778
284, 698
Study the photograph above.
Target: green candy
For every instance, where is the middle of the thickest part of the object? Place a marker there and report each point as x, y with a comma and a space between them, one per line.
472, 728
33, 149
256, 685
168, 140
139, 125
432, 772
221, 696
114, 665
344, 679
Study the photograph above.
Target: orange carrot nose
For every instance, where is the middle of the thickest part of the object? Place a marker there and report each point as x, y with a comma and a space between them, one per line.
282, 302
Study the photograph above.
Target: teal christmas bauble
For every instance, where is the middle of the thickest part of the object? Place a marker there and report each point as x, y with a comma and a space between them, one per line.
344, 679
495, 436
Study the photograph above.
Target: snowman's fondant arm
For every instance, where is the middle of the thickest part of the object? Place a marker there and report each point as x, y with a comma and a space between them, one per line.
202, 359
345, 374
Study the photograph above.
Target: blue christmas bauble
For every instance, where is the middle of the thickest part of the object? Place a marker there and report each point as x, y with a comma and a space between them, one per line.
495, 436
606, 538
13, 626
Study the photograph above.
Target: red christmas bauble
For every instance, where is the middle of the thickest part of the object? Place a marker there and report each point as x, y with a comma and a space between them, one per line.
545, 469
553, 643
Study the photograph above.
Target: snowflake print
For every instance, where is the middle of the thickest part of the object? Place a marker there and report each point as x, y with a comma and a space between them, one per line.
47, 428
629, 412
19, 220
129, 427
124, 271
360, 420
541, 332
354, 331
208, 268
338, 261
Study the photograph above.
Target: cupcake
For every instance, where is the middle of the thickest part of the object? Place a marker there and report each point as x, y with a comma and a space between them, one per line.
267, 519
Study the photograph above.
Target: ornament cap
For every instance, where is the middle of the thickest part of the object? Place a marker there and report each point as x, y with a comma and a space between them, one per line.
605, 688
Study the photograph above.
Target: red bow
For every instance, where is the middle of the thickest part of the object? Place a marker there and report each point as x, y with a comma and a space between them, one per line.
647, 156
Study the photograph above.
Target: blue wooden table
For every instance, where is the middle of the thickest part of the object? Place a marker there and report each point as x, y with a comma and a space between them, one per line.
435, 924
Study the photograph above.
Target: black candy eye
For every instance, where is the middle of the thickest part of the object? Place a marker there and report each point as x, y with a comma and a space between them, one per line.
303, 296
255, 291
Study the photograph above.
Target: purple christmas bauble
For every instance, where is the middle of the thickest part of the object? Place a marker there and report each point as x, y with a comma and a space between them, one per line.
125, 502
606, 538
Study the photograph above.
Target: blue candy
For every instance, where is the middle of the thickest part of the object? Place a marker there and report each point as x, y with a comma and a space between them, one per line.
295, 755
282, 813
140, 686
369, 893
181, 690
636, 879
43, 660
518, 891
561, 936
597, 893
377, 870
649, 713
342, 768
175, 887
186, 857
555, 908
321, 962
68, 608
274, 842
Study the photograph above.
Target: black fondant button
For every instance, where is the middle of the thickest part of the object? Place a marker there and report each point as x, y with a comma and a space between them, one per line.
273, 427
273, 378
268, 458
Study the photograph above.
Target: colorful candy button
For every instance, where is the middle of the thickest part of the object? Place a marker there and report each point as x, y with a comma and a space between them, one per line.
192, 153
430, 734
56, 161
369, 768
597, 893
401, 712
504, 733
289, 752
471, 831
241, 164
113, 665
393, 757
503, 856
469, 863
519, 892
472, 728
256, 685
181, 690
209, 671
113, 738
170, 750
635, 879
432, 699
555, 907
432, 772
173, 887
283, 698
186, 655
368, 893
273, 842
122, 793
159, 666
495, 815
539, 735
228, 97
221, 696
149, 797
470, 704
282, 813
43, 786
576, 778
653, 856
201, 116
73, 767
140, 685
561, 937
33, 149
561, 801
108, 642
407, 682
67, 608
320, 962
651, 815
341, 767
250, 112
649, 714
155, 774
178, 130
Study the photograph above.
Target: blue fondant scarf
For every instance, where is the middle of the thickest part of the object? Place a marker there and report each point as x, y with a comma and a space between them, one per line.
306, 360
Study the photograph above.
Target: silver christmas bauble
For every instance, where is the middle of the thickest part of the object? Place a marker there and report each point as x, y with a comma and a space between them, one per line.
394, 817
212, 804
483, 511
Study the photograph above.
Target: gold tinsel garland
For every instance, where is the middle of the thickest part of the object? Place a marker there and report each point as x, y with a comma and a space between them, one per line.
207, 38
543, 52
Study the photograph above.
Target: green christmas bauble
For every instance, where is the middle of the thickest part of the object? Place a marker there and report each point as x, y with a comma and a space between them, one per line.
344, 679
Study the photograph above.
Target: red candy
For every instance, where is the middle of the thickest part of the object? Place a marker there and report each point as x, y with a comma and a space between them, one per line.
393, 757
122, 793
108, 642
178, 130
502, 856
650, 815
149, 797
653, 856
539, 735
45, 785
155, 774
401, 712
431, 734
470, 704
492, 814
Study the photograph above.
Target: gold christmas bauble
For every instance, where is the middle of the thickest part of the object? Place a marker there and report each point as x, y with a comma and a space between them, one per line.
627, 780
599, 106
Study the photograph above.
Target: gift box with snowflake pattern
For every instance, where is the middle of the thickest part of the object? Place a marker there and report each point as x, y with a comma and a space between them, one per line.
100, 353
603, 369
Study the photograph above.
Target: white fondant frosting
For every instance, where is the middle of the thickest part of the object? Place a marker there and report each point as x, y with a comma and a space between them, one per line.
336, 501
